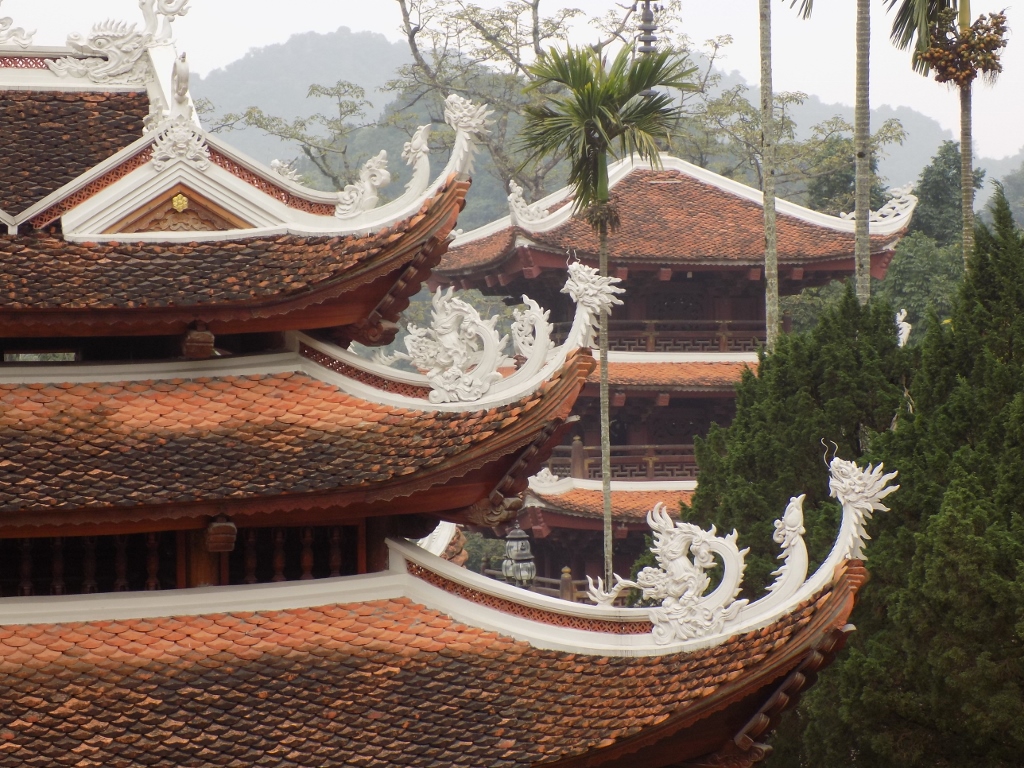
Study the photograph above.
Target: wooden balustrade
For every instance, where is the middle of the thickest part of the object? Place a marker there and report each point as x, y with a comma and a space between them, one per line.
628, 462
679, 335
157, 561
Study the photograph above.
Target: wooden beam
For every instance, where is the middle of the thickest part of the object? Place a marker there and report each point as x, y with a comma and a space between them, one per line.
623, 272
662, 399
797, 273
754, 274
531, 273
665, 274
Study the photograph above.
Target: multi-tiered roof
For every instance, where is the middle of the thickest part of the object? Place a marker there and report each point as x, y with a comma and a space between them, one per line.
176, 320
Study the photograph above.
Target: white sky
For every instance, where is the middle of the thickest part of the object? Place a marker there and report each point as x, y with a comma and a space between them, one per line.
813, 56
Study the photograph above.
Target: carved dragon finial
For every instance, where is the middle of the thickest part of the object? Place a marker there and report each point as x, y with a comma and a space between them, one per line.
593, 295
903, 328
521, 211
11, 35
362, 195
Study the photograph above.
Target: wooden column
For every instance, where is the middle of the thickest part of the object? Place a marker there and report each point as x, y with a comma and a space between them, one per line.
203, 565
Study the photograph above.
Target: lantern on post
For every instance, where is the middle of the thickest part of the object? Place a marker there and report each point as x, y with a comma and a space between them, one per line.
518, 567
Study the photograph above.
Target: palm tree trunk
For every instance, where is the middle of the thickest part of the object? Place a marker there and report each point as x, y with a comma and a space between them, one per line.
771, 262
862, 147
606, 449
966, 173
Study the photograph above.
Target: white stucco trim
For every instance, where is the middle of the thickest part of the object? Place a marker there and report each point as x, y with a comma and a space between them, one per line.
618, 170
567, 484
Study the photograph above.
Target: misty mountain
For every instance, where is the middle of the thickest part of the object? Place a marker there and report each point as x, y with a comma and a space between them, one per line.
276, 78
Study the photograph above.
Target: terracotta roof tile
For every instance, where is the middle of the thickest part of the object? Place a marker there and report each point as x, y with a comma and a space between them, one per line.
670, 217
626, 505
169, 692
52, 137
165, 442
629, 505
676, 375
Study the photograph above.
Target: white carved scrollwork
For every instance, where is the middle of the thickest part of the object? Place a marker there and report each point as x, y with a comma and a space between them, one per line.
178, 139
684, 553
12, 35
903, 328
860, 491
471, 123
114, 54
900, 204
286, 171
593, 295
418, 147
521, 211
460, 351
545, 477
114, 51
362, 196
530, 325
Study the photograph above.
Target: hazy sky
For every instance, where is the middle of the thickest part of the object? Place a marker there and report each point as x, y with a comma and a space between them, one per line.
813, 56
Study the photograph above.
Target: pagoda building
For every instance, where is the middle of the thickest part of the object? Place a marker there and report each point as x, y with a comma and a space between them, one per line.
208, 501
689, 252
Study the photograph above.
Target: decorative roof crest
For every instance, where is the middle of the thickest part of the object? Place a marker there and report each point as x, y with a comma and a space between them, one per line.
12, 35
545, 477
460, 351
286, 170
471, 123
362, 196
593, 295
418, 147
521, 211
684, 552
903, 328
900, 204
179, 139
114, 50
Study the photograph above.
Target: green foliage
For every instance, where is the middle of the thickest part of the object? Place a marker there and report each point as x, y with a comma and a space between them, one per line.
602, 108
840, 382
832, 172
938, 213
935, 676
806, 308
481, 548
923, 278
1013, 186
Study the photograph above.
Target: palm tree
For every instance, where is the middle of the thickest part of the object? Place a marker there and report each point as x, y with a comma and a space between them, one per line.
861, 147
944, 39
768, 137
599, 111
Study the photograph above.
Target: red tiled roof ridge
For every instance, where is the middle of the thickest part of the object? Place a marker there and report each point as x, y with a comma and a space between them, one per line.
714, 212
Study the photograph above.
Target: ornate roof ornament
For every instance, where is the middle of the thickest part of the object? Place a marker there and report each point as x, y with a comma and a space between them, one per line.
545, 477
12, 35
521, 211
471, 123
593, 295
903, 328
159, 15
179, 139
901, 204
362, 196
114, 50
684, 553
460, 351
286, 171
418, 147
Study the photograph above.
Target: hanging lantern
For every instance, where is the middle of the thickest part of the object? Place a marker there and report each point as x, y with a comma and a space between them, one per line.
518, 567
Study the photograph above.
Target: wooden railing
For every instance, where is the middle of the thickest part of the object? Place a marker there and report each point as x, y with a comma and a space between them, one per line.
565, 588
679, 335
628, 462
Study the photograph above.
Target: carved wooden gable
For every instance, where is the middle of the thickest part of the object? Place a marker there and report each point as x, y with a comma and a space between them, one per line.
180, 209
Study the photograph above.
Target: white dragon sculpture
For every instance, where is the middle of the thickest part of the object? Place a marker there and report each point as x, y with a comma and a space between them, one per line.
113, 51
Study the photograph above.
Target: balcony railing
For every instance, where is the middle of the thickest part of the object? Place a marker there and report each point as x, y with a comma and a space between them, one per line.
680, 335
628, 462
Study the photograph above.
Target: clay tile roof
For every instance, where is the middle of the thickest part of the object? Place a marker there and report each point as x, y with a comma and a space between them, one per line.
670, 217
375, 684
98, 282
697, 375
52, 137
147, 448
626, 505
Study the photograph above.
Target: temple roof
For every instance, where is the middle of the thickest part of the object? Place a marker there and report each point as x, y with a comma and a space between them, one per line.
385, 670
153, 287
88, 444
678, 215
696, 375
51, 137
631, 499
